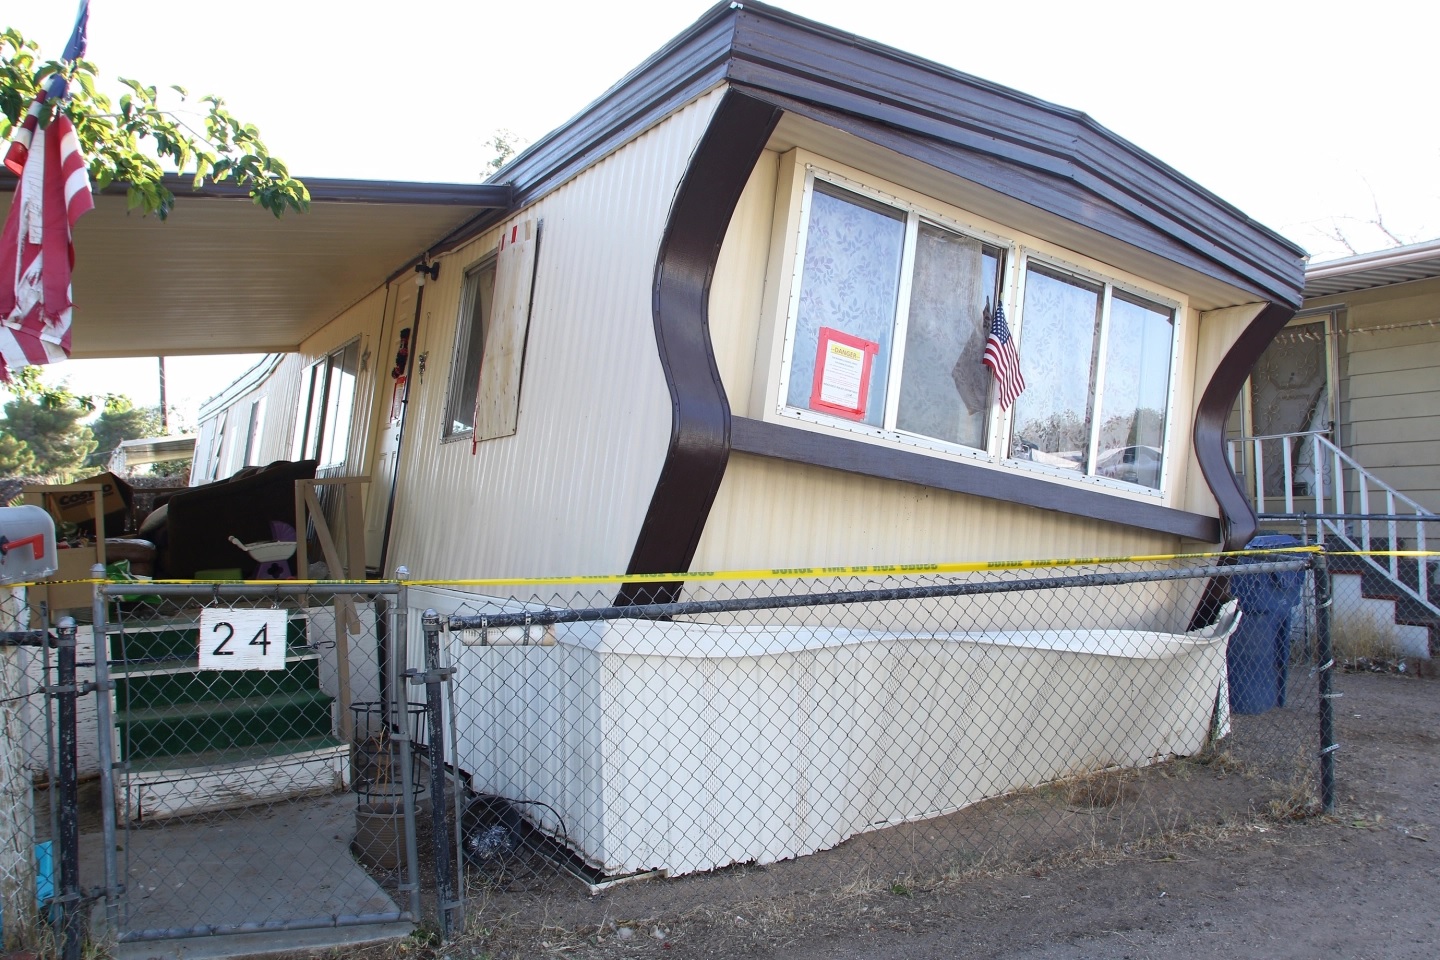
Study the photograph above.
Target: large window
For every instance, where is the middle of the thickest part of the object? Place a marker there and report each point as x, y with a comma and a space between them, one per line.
327, 401
890, 321
476, 308
1096, 362
890, 310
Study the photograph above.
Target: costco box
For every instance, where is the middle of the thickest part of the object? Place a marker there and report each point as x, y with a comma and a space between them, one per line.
77, 505
75, 563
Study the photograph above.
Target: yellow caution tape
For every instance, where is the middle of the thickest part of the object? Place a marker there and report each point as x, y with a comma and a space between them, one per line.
789, 573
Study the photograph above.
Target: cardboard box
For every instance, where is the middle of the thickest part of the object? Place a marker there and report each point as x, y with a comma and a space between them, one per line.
75, 562
74, 565
77, 505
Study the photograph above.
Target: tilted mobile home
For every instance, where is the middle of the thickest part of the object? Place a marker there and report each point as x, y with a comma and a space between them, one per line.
638, 391
733, 316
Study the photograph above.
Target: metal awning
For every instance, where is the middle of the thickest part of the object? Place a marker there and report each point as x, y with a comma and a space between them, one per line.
134, 453
1416, 261
221, 275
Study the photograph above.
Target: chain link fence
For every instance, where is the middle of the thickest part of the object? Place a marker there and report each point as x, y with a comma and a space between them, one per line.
283, 756
893, 728
262, 771
1386, 610
30, 811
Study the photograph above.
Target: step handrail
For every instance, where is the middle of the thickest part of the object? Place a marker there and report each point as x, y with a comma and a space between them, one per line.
1327, 457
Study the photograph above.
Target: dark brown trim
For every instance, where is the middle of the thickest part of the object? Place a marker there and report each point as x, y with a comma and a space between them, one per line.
781, 442
1237, 517
700, 412
1049, 156
489, 196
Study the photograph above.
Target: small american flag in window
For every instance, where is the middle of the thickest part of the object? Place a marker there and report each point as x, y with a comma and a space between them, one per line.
1001, 358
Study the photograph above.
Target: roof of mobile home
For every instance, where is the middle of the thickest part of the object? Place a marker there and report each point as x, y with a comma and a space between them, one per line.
221, 275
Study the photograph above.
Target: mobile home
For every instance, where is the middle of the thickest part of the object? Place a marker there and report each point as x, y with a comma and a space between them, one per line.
734, 315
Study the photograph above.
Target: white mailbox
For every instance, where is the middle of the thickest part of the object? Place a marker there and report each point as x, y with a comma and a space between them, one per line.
27, 544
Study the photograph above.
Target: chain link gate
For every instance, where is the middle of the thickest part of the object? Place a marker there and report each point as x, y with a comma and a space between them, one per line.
901, 727
40, 900
256, 763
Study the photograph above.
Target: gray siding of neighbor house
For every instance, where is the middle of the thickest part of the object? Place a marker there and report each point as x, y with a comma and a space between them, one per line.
1390, 385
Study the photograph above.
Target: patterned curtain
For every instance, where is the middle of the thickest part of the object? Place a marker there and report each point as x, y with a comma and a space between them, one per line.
945, 389
850, 282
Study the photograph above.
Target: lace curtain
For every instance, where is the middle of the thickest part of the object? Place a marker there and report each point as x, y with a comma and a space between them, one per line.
944, 388
850, 282
1057, 354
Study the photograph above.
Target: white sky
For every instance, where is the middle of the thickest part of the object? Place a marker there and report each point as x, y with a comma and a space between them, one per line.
1304, 116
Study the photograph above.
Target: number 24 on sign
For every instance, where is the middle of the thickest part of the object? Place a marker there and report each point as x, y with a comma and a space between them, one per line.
242, 639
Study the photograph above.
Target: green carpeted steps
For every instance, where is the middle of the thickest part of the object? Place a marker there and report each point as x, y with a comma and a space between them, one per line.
194, 740
157, 688
177, 729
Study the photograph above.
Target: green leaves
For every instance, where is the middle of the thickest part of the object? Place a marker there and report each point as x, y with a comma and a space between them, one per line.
136, 143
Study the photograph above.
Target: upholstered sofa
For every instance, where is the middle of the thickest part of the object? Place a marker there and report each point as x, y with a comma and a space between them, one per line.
192, 529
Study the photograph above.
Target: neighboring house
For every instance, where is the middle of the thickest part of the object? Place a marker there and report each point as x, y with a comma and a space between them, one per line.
1342, 412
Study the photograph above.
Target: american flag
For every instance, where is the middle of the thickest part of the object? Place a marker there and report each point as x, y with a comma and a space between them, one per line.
1003, 361
37, 241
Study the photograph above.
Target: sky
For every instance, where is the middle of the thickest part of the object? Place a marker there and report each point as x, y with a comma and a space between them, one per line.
1309, 118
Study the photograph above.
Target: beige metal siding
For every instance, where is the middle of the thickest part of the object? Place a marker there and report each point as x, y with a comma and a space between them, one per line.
279, 390
1216, 332
566, 493
771, 513
737, 293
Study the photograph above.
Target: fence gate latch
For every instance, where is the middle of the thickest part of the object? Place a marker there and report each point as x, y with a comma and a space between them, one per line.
419, 678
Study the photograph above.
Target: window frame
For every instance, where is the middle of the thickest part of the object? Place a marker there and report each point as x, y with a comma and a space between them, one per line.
315, 436
459, 360
254, 432
913, 215
1016, 249
1109, 285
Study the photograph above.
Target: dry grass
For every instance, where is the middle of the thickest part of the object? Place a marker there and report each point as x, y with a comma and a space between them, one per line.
1112, 816
1364, 641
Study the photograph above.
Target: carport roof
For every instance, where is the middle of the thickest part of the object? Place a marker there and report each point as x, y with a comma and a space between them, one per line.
221, 275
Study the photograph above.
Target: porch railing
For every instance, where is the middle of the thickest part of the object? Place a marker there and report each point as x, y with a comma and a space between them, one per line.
1347, 502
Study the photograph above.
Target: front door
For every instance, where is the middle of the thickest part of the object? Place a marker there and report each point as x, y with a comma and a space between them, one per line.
1290, 393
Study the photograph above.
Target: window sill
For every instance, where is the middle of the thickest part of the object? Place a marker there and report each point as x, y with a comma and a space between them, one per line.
1015, 485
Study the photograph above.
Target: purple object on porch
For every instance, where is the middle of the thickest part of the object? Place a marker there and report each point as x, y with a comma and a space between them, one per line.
278, 569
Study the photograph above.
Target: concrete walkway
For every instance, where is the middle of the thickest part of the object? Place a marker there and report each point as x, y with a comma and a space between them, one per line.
285, 866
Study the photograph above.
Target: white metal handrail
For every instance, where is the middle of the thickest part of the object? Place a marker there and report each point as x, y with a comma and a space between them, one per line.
1346, 477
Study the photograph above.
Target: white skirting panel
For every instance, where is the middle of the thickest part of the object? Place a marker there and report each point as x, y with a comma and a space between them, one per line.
686, 747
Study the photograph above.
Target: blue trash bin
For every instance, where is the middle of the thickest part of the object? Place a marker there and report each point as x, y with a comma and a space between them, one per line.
1258, 657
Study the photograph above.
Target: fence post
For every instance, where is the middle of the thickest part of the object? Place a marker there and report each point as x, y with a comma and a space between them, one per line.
439, 812
1325, 655
394, 689
72, 927
104, 747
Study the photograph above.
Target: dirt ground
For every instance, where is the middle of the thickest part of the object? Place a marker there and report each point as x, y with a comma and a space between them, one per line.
1238, 878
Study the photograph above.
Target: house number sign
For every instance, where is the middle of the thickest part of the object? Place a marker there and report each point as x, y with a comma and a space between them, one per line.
242, 639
